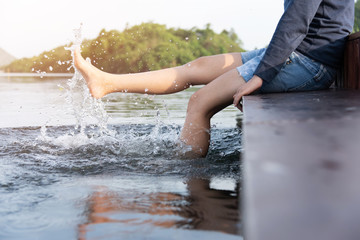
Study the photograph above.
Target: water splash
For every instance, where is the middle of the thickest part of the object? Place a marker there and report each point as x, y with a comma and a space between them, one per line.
135, 148
91, 117
92, 129
84, 106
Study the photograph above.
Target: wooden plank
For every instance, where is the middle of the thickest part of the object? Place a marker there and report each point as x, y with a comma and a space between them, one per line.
351, 66
301, 166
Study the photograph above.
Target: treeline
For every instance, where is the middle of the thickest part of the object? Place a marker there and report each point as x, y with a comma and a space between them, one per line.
144, 47
357, 16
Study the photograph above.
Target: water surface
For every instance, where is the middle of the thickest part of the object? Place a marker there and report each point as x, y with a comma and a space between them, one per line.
60, 183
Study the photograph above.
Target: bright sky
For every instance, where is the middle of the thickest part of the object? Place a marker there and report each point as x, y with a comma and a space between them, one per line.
29, 27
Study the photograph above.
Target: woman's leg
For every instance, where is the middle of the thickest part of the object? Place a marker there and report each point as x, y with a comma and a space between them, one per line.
218, 72
200, 71
205, 103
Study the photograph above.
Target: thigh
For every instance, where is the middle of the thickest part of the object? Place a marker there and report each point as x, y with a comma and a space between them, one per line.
206, 69
300, 73
219, 93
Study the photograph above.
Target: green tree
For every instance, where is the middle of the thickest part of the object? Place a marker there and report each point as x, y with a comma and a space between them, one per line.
357, 16
140, 48
57, 60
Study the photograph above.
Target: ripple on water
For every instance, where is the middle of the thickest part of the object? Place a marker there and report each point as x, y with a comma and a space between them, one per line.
130, 148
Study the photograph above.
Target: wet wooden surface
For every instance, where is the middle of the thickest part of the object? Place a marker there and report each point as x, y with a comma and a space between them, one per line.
302, 166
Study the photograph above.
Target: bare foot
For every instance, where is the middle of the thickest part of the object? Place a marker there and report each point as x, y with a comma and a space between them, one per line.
93, 76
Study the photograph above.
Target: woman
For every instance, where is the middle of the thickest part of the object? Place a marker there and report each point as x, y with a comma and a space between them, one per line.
304, 54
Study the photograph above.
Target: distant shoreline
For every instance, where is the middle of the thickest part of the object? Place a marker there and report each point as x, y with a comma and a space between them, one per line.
2, 74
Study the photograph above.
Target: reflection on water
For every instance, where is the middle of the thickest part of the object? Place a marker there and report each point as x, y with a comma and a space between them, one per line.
58, 183
202, 208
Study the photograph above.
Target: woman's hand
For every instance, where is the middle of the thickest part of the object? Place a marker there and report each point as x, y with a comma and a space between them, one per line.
249, 87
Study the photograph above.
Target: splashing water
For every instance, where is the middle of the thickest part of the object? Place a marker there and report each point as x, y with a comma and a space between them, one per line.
91, 117
92, 129
78, 96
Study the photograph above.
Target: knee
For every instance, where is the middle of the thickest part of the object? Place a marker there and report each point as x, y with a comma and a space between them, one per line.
196, 105
196, 70
198, 63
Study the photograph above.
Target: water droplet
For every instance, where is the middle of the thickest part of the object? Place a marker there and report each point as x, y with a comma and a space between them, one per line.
59, 62
146, 90
42, 74
50, 68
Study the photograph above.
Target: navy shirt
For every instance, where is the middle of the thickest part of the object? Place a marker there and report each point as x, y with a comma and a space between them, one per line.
316, 28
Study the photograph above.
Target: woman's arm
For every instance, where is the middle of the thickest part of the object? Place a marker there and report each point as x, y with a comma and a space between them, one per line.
290, 32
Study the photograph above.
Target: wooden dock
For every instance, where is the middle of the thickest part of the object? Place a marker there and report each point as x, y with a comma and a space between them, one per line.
301, 161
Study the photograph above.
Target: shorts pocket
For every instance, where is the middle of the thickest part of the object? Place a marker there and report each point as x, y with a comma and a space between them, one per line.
325, 77
312, 66
300, 73
320, 74
319, 81
312, 74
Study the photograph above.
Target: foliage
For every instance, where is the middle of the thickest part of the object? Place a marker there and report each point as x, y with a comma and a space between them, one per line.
56, 60
143, 47
357, 16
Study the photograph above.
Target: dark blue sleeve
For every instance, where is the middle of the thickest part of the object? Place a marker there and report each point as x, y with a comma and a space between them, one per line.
290, 32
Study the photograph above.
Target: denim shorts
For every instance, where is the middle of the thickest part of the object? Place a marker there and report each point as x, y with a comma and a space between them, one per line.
299, 73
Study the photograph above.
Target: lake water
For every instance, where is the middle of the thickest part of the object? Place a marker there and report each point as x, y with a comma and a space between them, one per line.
59, 183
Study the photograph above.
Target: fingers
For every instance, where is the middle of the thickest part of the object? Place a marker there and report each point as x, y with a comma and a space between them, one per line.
246, 89
238, 95
240, 105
